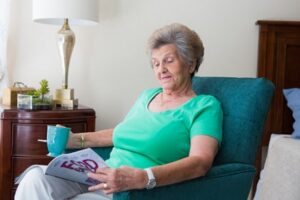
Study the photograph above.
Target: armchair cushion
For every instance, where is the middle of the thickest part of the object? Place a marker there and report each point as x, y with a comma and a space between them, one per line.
245, 103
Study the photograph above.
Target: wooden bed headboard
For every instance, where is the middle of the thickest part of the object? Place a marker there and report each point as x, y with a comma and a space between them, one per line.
279, 61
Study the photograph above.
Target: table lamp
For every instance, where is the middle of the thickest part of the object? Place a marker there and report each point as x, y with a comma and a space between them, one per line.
65, 13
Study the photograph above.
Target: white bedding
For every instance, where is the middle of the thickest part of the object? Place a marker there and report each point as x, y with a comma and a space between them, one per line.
280, 178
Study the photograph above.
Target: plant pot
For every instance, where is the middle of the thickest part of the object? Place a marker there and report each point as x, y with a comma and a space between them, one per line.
42, 103
29, 102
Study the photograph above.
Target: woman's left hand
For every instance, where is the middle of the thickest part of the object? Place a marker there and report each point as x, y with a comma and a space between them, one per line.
119, 179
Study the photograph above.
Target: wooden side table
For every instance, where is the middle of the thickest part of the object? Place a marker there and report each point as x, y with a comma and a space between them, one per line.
19, 132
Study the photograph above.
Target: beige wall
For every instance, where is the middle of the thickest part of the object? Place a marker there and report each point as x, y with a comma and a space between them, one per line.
109, 66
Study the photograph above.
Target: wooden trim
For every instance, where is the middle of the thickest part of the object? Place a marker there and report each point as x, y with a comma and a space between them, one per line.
278, 23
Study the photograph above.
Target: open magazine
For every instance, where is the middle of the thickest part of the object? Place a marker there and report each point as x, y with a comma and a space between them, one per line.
72, 166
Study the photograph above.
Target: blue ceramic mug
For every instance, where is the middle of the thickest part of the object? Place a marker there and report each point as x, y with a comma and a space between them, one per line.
57, 138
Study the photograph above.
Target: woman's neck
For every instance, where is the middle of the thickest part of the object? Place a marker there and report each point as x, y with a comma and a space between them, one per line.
180, 92
171, 99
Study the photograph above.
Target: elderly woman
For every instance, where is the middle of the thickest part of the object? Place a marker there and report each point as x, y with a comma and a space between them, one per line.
170, 134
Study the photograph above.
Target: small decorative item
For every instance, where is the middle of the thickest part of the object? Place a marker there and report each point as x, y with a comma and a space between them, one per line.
36, 99
24, 101
10, 94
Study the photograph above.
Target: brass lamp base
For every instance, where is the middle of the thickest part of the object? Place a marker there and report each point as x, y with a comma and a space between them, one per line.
65, 98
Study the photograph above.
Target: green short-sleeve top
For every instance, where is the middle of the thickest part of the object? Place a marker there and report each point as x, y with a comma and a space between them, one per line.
144, 138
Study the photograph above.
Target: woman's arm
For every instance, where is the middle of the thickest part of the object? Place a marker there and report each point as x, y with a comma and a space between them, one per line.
101, 138
201, 156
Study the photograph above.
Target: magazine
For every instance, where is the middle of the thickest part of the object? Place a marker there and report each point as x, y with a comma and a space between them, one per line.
72, 166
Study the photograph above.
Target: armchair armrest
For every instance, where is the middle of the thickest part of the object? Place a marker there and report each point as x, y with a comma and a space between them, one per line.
228, 181
104, 152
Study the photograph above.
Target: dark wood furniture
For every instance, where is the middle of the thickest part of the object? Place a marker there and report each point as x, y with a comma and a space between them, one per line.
278, 61
19, 132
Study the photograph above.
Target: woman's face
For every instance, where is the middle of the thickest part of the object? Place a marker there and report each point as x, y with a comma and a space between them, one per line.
170, 70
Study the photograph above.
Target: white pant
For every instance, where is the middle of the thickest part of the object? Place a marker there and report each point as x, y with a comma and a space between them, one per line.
35, 186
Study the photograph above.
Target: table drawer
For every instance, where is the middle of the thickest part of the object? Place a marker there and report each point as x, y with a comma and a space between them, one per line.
25, 138
21, 163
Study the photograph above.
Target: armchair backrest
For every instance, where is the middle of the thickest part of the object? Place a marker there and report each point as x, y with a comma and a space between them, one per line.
245, 103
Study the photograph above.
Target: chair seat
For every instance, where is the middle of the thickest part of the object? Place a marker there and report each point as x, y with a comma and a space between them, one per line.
98, 195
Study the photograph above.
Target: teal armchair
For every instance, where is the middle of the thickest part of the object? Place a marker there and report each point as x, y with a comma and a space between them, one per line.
245, 103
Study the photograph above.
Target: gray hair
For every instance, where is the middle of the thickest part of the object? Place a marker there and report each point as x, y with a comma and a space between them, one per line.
188, 44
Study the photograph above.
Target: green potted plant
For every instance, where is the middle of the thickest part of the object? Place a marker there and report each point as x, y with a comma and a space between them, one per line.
40, 98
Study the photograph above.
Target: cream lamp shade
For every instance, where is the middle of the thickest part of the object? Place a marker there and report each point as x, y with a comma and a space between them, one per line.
65, 13
79, 12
